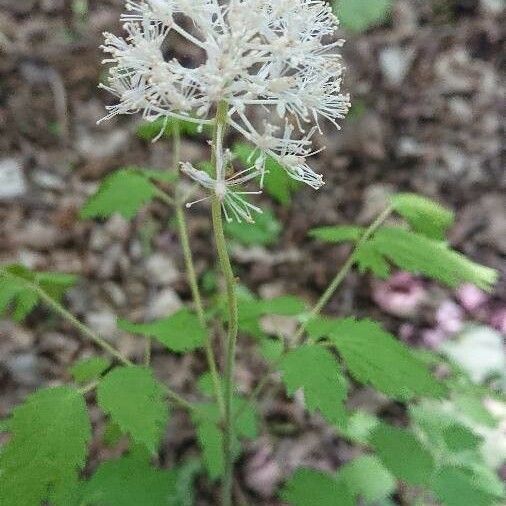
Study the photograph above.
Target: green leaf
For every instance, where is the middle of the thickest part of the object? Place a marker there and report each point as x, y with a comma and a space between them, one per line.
374, 356
337, 234
403, 454
89, 369
421, 255
124, 192
369, 259
149, 130
264, 232
366, 477
316, 371
359, 426
308, 486
18, 288
458, 487
48, 447
458, 438
130, 481
277, 183
210, 437
425, 216
359, 15
135, 402
181, 332
112, 434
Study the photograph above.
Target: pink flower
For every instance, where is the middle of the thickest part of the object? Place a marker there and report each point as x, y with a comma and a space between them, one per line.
401, 295
450, 317
433, 338
471, 298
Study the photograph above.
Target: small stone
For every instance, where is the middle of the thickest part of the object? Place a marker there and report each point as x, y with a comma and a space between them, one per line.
277, 325
104, 323
118, 228
25, 369
103, 144
40, 236
395, 63
164, 304
161, 270
12, 179
48, 181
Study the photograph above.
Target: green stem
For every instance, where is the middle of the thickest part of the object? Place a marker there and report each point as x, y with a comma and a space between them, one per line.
199, 307
81, 327
86, 331
322, 302
228, 274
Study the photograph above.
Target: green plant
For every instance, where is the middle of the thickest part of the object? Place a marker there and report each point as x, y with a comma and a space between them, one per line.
434, 456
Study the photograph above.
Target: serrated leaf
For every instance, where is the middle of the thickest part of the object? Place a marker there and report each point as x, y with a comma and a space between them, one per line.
308, 486
458, 438
181, 332
424, 216
370, 259
124, 192
50, 433
359, 426
149, 130
264, 232
337, 234
419, 254
135, 402
277, 183
458, 487
130, 481
374, 356
112, 434
368, 478
89, 369
207, 419
359, 15
18, 288
403, 454
314, 369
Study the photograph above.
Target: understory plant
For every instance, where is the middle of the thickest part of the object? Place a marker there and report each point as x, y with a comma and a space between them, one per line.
270, 78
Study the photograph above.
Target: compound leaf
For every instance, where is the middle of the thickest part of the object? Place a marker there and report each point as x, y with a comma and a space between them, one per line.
181, 332
424, 215
403, 454
135, 402
130, 481
368, 478
210, 437
359, 15
124, 192
337, 234
50, 433
308, 486
374, 356
455, 486
89, 369
419, 254
316, 371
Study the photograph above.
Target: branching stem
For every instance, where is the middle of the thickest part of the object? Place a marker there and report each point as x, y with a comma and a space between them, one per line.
322, 302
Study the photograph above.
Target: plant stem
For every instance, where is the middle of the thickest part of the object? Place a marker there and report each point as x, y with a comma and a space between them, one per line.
192, 276
228, 274
322, 302
197, 299
86, 331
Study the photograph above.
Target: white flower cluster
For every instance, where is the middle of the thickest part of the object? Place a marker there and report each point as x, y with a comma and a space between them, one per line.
280, 55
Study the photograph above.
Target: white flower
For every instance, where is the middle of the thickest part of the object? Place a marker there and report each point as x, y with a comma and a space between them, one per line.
233, 202
280, 55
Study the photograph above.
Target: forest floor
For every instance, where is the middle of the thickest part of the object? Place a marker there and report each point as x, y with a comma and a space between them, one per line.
427, 91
